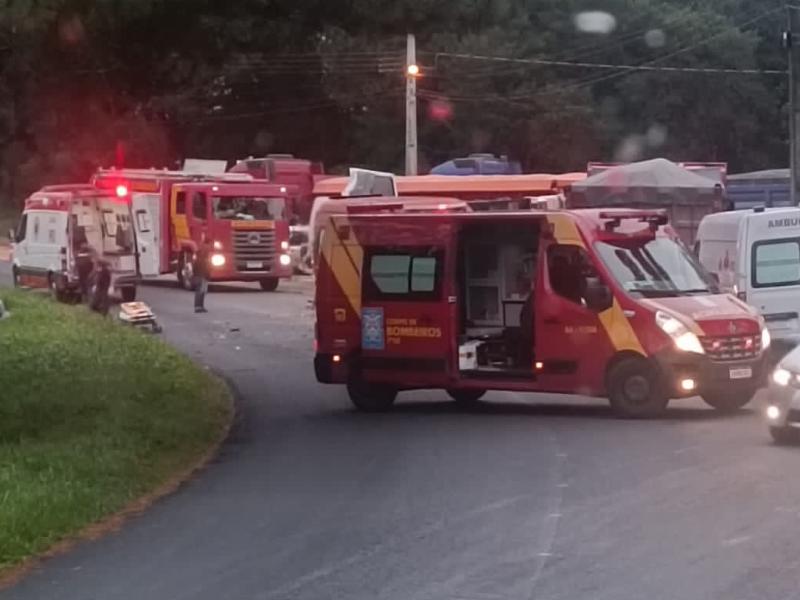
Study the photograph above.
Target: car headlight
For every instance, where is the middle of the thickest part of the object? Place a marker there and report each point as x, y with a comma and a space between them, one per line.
684, 340
782, 376
217, 260
766, 338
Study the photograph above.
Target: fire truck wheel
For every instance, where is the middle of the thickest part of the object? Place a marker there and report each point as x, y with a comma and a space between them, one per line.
369, 397
730, 402
466, 397
785, 436
635, 389
128, 293
185, 271
270, 284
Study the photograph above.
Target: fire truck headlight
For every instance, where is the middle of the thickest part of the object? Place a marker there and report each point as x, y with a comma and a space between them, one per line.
284, 245
286, 260
766, 338
684, 340
217, 245
217, 260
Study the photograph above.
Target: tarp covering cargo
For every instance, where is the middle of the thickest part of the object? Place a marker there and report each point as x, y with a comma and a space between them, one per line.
656, 183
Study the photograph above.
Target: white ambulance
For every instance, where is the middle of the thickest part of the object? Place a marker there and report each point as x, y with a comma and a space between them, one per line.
60, 221
755, 254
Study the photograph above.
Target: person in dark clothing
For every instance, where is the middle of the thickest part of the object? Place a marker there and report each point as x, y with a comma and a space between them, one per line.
200, 269
84, 264
100, 302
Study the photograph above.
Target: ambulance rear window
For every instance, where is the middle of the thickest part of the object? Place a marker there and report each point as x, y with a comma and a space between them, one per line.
402, 275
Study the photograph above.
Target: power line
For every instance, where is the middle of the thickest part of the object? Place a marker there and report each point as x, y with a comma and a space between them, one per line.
623, 70
688, 48
590, 65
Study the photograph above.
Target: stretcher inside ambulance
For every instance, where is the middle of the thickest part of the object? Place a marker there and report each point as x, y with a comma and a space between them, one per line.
605, 303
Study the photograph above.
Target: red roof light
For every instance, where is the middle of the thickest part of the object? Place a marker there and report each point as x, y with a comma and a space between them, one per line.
122, 190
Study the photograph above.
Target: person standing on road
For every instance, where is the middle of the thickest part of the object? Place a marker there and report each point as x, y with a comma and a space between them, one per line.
200, 268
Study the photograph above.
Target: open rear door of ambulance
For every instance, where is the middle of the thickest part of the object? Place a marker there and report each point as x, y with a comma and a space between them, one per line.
408, 305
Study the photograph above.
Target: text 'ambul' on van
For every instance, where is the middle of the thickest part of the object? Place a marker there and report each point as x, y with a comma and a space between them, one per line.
593, 302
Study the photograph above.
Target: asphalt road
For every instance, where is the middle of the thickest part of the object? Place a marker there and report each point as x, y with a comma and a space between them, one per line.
531, 497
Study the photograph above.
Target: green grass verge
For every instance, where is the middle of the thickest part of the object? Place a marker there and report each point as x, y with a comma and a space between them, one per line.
92, 416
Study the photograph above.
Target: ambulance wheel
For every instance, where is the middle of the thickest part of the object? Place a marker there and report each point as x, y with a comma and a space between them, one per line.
269, 284
368, 397
128, 293
466, 397
186, 271
635, 389
730, 402
784, 436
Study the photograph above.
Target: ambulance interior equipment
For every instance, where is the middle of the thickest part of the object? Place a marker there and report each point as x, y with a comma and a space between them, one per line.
496, 276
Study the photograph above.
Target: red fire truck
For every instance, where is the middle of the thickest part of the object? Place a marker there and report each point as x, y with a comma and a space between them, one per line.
285, 169
593, 302
173, 210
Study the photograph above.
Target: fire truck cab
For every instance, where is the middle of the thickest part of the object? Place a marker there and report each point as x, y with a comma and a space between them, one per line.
594, 302
57, 222
173, 211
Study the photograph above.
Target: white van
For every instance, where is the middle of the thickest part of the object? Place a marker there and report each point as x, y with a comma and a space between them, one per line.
56, 222
755, 254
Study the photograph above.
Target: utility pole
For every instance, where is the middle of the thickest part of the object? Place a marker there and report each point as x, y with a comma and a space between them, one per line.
792, 43
412, 72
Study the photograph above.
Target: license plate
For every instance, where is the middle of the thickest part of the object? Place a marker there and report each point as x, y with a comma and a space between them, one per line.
745, 373
254, 264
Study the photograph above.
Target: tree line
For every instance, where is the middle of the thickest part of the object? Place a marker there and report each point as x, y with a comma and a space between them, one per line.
551, 83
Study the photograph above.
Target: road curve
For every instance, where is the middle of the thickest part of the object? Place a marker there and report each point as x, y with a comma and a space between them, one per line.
529, 497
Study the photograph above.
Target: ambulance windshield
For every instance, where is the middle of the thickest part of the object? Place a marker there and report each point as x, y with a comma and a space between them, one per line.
658, 267
248, 208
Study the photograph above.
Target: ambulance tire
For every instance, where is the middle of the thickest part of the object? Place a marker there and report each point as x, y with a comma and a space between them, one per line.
730, 402
635, 389
128, 293
785, 436
466, 397
269, 284
372, 398
185, 273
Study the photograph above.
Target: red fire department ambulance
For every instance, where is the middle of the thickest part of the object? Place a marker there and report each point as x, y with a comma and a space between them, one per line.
173, 210
593, 302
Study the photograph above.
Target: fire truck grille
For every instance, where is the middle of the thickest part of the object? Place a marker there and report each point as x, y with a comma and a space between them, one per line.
254, 250
736, 347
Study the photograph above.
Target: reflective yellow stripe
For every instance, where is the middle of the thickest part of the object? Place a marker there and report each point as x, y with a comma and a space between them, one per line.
619, 330
564, 230
344, 259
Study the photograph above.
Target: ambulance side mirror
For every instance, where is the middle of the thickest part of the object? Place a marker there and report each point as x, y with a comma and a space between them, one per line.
598, 295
